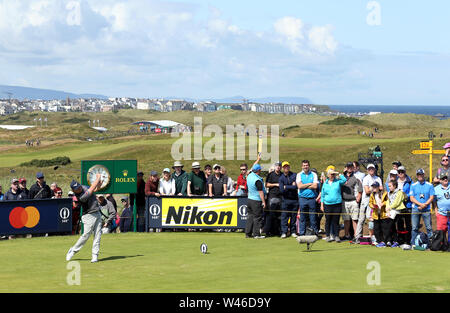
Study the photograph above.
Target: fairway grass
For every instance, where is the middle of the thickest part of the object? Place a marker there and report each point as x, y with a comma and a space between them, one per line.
171, 262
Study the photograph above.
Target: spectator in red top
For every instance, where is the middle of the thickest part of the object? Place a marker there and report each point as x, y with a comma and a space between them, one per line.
152, 185
241, 187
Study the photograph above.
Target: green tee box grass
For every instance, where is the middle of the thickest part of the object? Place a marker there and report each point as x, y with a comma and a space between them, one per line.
171, 262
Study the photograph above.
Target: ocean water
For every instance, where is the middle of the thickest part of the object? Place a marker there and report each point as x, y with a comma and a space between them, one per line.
417, 109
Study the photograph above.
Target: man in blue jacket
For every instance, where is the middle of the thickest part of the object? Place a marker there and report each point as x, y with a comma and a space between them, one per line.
289, 207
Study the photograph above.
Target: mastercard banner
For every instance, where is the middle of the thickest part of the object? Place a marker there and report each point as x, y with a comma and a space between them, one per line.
196, 212
35, 216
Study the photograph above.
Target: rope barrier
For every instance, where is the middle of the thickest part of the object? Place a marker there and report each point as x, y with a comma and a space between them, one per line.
341, 213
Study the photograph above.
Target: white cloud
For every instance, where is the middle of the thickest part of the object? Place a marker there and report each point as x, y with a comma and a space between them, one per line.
303, 39
157, 47
321, 39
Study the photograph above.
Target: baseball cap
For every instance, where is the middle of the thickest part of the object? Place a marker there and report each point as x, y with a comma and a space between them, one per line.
216, 165
398, 163
285, 163
101, 196
277, 163
153, 173
124, 198
330, 167
195, 165
256, 167
447, 145
39, 175
371, 166
349, 164
14, 180
420, 171
401, 168
22, 180
167, 170
140, 173
74, 184
443, 175
393, 172
375, 184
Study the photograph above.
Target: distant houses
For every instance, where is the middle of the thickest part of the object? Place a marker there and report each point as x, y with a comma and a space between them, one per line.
12, 106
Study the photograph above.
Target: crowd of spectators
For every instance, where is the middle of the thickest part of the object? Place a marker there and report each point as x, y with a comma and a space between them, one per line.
293, 202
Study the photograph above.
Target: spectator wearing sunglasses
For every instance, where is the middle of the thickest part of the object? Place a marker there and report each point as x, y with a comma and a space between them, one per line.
241, 185
57, 193
445, 169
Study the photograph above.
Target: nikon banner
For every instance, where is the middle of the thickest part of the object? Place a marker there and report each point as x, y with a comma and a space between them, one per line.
196, 212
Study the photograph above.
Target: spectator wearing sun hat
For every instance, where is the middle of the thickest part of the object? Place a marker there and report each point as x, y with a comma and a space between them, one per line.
167, 184
289, 206
422, 195
196, 181
180, 177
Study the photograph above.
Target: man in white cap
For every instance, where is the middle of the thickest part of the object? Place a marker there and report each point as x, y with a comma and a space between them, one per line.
393, 175
368, 181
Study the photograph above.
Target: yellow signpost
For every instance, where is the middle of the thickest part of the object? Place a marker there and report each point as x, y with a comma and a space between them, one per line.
427, 148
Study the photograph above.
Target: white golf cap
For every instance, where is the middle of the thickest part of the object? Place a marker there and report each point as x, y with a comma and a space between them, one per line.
370, 166
393, 172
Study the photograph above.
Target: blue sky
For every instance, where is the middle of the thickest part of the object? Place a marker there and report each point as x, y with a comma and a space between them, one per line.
325, 50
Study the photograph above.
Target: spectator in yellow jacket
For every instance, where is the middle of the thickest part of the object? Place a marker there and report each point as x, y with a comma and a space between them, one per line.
394, 206
382, 224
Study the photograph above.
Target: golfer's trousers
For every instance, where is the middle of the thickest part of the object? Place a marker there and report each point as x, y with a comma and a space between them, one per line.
254, 218
92, 223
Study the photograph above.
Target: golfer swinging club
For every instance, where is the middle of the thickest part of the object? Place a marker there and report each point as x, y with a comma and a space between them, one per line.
92, 219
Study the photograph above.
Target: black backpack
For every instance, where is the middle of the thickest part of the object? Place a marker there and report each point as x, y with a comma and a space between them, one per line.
438, 241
